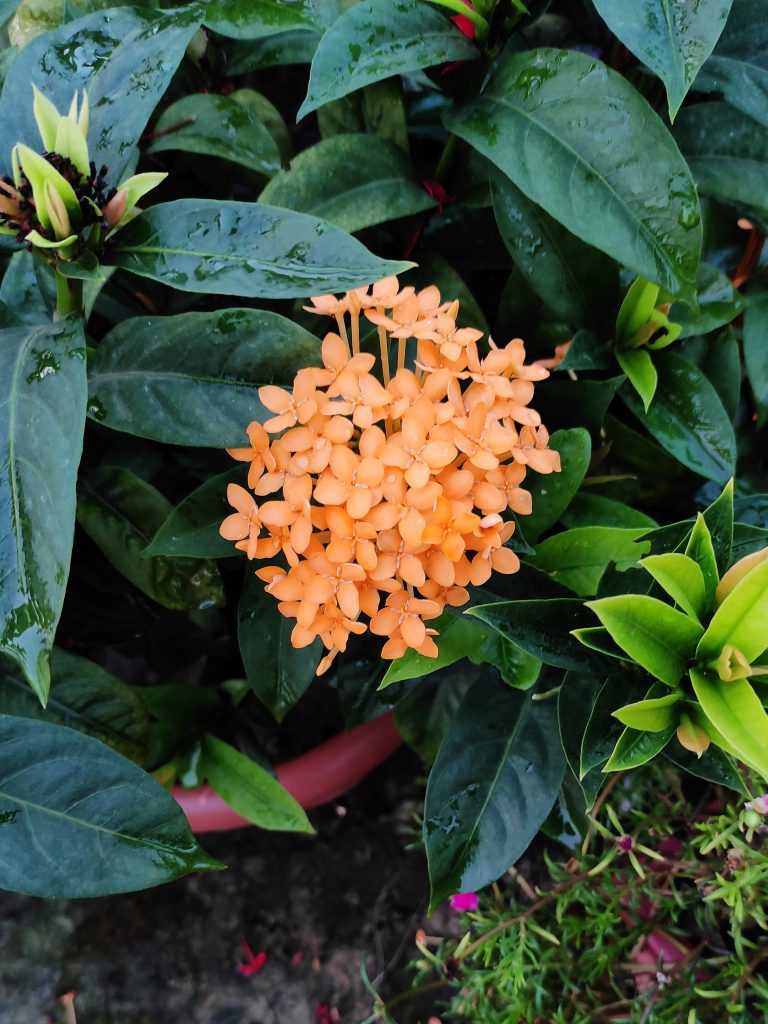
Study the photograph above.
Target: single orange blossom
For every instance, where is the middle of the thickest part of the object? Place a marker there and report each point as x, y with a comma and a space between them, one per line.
390, 490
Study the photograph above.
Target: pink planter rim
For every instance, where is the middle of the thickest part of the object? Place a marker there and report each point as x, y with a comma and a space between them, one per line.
322, 774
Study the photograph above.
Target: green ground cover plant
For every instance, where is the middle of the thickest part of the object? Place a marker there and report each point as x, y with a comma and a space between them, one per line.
311, 233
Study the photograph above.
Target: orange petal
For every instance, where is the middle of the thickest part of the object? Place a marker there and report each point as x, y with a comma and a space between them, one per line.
276, 399
330, 491
277, 513
234, 527
413, 630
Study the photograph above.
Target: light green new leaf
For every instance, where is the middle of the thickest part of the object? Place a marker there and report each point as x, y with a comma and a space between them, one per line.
701, 550
673, 39
634, 748
458, 637
377, 39
650, 715
193, 379
741, 620
657, 637
220, 127
250, 790
736, 712
42, 415
353, 181
578, 558
681, 578
639, 368
552, 116
231, 248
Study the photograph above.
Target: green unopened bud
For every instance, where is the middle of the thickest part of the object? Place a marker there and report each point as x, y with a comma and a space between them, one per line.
57, 212
70, 142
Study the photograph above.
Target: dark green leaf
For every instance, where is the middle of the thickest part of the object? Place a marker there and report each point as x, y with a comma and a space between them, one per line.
376, 39
552, 116
593, 510
352, 181
228, 248
425, 713
575, 281
255, 19
578, 558
192, 528
542, 628
586, 352
688, 418
673, 39
121, 514
714, 765
193, 379
602, 730
728, 154
125, 57
70, 801
552, 493
584, 403
217, 126
433, 269
250, 790
756, 352
42, 414
85, 697
21, 292
635, 748
738, 69
458, 637
493, 783
293, 47
278, 672
719, 303
575, 702
656, 636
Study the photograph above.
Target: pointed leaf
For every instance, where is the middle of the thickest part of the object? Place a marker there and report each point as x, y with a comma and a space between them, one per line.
578, 558
492, 785
653, 714
634, 748
544, 118
257, 19
229, 248
42, 414
376, 39
656, 636
250, 790
673, 39
741, 620
681, 578
735, 711
193, 379
718, 518
701, 550
192, 528
73, 801
639, 368
602, 730
756, 352
738, 69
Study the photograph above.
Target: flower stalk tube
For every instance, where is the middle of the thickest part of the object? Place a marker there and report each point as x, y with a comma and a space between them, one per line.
391, 495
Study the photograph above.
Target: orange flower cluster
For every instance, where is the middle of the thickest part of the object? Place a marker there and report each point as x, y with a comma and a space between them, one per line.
391, 489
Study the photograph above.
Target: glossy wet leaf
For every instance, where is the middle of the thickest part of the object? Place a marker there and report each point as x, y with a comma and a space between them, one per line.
72, 801
672, 39
719, 303
353, 181
552, 492
756, 352
425, 713
634, 748
493, 783
85, 697
700, 548
216, 126
295, 46
741, 620
738, 69
594, 510
727, 152
653, 634
602, 730
542, 627
278, 672
458, 637
20, 290
736, 712
192, 528
551, 116
125, 57
42, 414
688, 419
257, 19
641, 373
574, 280
578, 696
121, 513
250, 790
376, 39
193, 379
578, 558
229, 248
714, 765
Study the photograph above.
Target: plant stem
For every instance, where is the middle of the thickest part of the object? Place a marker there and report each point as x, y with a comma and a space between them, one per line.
69, 296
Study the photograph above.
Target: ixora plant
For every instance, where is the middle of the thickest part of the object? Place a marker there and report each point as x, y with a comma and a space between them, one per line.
534, 612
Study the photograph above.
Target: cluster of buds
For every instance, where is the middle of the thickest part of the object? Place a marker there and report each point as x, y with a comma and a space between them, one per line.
392, 489
58, 201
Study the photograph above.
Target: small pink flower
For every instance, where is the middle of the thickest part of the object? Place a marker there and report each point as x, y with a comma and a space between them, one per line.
253, 961
464, 901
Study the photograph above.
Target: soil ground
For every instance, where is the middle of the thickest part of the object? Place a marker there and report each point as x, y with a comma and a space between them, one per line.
320, 907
